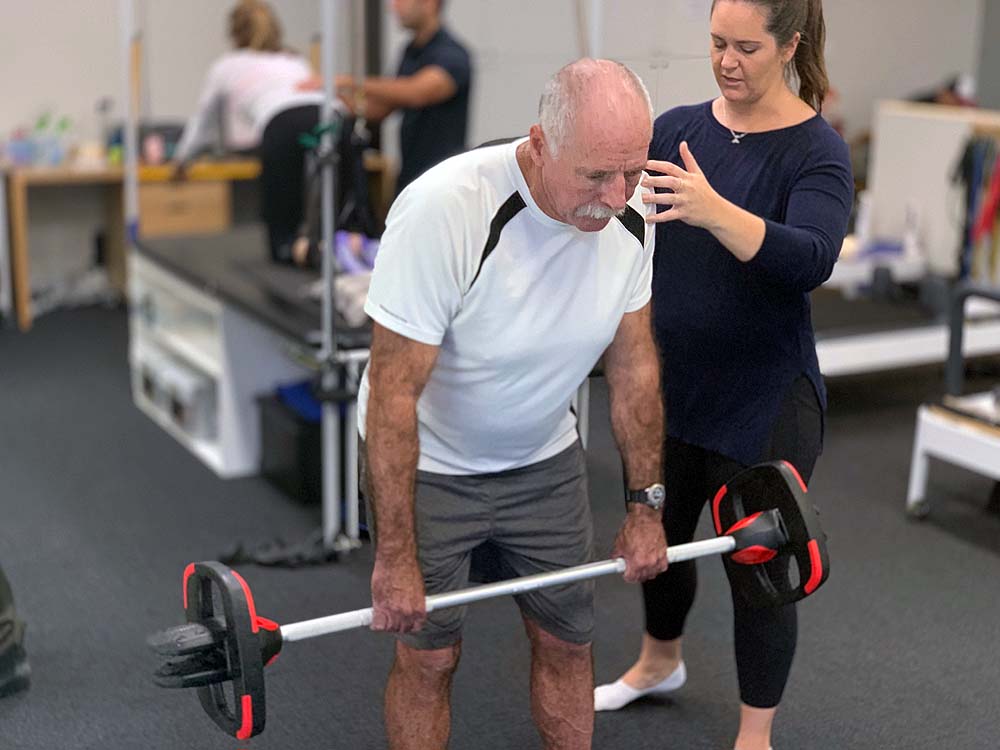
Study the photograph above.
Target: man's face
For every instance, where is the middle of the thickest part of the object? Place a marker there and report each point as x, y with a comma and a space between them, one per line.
412, 13
588, 182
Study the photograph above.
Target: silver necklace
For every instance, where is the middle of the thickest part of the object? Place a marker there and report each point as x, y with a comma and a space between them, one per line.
737, 137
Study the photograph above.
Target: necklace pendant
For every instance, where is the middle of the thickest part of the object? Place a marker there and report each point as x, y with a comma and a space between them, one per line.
735, 140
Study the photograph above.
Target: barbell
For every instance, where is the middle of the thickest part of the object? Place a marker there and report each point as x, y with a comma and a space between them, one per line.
774, 553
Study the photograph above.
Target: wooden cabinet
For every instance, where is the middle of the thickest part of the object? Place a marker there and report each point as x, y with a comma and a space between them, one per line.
175, 208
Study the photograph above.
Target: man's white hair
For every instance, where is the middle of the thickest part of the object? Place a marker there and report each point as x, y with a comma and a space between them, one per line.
565, 90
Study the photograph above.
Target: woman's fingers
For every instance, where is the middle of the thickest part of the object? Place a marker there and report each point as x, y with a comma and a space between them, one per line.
665, 167
661, 199
690, 163
661, 217
684, 194
661, 183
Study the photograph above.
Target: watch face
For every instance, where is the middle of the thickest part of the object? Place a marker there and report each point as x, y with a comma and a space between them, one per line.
657, 493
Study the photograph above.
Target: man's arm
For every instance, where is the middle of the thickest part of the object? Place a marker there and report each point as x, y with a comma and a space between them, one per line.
632, 369
398, 371
372, 109
429, 85
384, 95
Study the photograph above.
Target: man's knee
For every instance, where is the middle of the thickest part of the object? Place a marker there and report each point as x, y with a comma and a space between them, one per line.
547, 646
428, 665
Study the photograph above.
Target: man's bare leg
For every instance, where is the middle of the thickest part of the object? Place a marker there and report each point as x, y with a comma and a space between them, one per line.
562, 690
418, 697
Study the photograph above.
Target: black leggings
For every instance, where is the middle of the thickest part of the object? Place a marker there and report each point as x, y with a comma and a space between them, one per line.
764, 638
282, 179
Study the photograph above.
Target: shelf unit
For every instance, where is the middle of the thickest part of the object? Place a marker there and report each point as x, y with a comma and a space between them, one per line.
172, 321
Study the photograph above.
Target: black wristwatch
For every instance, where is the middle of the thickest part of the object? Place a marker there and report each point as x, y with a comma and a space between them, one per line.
652, 496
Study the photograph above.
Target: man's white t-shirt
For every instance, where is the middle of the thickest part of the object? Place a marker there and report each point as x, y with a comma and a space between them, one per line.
521, 305
249, 87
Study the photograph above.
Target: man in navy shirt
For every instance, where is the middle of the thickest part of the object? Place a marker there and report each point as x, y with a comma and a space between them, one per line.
431, 87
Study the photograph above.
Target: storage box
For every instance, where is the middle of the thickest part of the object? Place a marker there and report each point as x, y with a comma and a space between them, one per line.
177, 208
290, 451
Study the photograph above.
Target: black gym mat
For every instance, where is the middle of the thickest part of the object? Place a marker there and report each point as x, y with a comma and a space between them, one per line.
234, 267
100, 510
835, 315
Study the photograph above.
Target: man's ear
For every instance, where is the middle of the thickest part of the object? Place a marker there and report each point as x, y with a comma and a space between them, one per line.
536, 144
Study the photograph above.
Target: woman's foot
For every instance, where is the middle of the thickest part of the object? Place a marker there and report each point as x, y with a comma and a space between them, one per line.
635, 684
755, 728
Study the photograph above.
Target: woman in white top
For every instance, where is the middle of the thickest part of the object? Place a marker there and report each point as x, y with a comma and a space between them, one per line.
251, 93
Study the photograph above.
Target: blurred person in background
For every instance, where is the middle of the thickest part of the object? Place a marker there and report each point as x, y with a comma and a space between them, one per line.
431, 88
253, 93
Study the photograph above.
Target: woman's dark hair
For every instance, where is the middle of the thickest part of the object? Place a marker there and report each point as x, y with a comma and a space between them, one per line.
254, 25
784, 18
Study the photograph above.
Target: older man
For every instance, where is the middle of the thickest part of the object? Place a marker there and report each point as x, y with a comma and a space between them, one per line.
503, 276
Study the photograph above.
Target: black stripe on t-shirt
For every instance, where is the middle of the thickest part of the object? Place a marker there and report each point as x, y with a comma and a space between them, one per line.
632, 220
506, 212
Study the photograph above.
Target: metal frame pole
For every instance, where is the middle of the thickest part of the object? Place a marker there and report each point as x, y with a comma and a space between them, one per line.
331, 426
130, 183
352, 499
6, 289
595, 27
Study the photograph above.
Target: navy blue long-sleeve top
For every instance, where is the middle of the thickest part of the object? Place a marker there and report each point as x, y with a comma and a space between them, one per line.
734, 336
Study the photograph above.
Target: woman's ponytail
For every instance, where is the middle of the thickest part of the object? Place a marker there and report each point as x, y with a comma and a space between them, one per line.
809, 61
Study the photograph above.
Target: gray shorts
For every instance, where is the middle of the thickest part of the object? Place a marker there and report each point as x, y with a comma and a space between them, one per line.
533, 519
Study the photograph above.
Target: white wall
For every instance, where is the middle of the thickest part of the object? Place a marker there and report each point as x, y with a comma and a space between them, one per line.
57, 56
889, 49
518, 44
876, 49
62, 57
915, 149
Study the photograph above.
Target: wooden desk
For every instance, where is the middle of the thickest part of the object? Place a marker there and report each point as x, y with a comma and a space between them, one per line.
20, 179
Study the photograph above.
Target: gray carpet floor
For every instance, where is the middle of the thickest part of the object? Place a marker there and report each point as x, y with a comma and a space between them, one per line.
100, 510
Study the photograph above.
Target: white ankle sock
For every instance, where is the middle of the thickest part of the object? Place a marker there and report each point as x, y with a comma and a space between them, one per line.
616, 695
